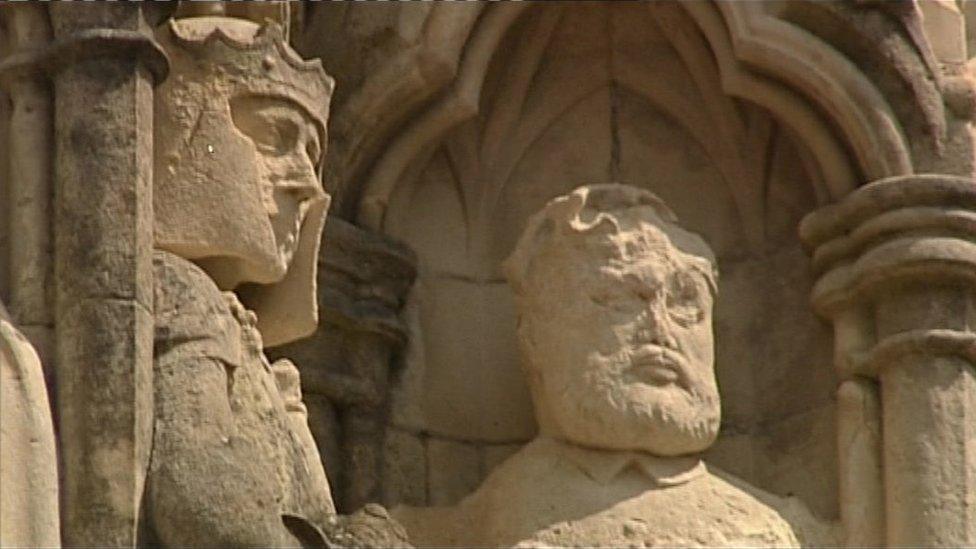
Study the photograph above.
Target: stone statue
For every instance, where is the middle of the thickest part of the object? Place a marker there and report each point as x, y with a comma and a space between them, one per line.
239, 132
614, 304
28, 461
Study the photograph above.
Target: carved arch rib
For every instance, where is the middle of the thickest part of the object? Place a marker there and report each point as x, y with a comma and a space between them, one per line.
821, 73
808, 87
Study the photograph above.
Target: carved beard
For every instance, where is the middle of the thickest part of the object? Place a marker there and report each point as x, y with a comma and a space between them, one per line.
602, 408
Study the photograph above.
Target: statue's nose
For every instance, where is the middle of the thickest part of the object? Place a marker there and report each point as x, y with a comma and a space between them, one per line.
303, 184
659, 322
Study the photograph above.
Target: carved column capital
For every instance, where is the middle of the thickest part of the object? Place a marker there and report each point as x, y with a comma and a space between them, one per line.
909, 229
891, 238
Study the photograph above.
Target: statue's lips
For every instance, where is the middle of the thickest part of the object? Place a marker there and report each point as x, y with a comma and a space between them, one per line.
656, 365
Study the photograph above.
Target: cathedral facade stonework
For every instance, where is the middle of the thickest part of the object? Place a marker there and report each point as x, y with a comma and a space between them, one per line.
510, 274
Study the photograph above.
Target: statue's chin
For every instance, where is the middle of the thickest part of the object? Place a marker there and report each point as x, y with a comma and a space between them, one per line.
230, 272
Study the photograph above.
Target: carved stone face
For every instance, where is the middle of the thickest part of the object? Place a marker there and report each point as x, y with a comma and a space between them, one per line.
616, 333
283, 151
288, 146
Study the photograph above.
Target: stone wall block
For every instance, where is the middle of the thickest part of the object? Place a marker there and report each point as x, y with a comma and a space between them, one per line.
453, 470
495, 455
404, 469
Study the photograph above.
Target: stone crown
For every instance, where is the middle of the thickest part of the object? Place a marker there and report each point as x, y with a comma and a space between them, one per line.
263, 64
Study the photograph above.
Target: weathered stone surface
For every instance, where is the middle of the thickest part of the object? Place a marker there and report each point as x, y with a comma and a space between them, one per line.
239, 207
590, 92
496, 454
242, 124
229, 459
349, 361
453, 470
103, 272
902, 304
369, 527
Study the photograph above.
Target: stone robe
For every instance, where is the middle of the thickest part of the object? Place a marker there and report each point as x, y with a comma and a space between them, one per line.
233, 462
555, 494
28, 461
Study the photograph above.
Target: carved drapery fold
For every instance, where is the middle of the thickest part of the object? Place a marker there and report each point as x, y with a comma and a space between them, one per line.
897, 276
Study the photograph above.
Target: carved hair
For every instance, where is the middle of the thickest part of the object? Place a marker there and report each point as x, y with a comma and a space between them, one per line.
601, 210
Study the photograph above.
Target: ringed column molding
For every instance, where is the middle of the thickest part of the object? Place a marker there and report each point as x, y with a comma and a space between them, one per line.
896, 261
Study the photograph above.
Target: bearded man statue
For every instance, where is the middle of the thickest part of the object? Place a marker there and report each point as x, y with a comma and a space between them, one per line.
614, 303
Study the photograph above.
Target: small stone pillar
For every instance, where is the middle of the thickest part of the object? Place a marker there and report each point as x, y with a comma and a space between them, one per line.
897, 266
104, 63
30, 192
346, 366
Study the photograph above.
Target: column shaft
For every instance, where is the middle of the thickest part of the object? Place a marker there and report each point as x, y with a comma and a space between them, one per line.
859, 448
930, 451
104, 240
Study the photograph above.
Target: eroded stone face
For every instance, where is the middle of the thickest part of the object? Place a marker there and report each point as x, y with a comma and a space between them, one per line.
615, 326
615, 310
238, 207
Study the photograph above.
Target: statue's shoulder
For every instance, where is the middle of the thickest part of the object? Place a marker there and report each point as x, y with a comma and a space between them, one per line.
778, 520
511, 504
192, 315
182, 287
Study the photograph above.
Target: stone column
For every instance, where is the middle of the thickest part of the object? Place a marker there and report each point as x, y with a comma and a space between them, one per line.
29, 191
897, 264
346, 366
104, 63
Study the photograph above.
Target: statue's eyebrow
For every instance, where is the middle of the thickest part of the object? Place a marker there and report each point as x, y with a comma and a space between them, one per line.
707, 277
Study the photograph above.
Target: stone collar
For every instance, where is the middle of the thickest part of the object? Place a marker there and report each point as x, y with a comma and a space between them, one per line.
604, 465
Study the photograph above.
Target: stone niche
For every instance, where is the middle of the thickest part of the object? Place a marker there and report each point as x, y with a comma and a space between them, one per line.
586, 93
824, 149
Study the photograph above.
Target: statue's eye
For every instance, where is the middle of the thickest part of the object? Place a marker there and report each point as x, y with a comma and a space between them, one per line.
685, 299
272, 124
313, 149
274, 133
615, 300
